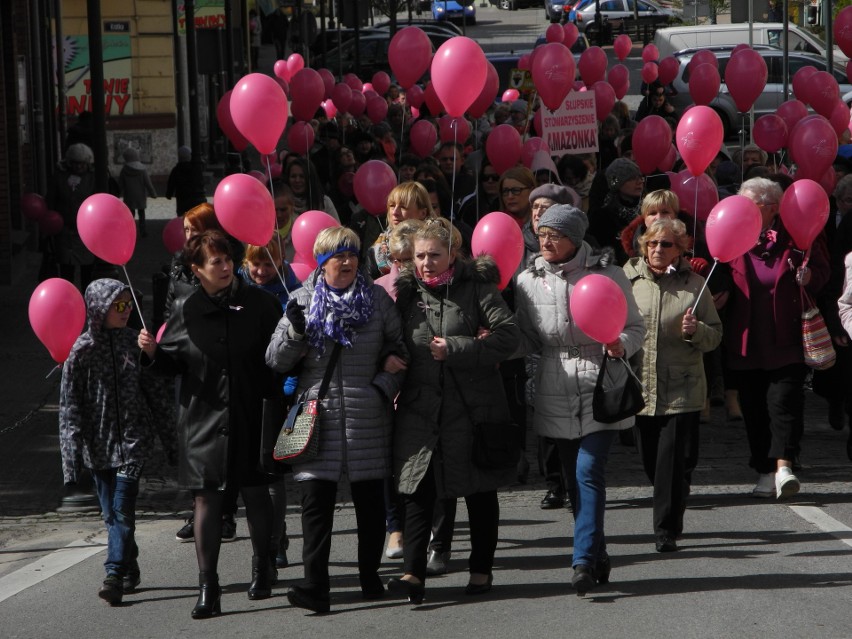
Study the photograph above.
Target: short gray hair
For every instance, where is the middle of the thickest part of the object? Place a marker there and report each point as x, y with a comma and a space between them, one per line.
765, 191
333, 238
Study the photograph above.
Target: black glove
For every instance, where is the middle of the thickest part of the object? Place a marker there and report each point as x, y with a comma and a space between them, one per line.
295, 313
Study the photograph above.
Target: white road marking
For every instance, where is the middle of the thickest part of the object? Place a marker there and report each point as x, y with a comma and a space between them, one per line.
824, 522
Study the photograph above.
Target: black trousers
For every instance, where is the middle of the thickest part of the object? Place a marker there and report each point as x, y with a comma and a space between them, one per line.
773, 405
668, 446
443, 525
318, 502
483, 512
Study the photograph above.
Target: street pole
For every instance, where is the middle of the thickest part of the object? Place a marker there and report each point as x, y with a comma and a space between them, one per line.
192, 81
96, 97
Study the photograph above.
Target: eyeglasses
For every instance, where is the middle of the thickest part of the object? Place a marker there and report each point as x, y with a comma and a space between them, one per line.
491, 178
515, 190
550, 237
122, 306
541, 207
662, 243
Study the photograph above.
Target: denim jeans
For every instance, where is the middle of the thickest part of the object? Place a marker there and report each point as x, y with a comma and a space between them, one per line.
584, 464
117, 491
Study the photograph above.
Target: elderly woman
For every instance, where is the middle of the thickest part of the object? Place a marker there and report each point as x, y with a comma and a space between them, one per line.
620, 206
666, 289
215, 342
567, 372
542, 198
763, 340
452, 383
340, 320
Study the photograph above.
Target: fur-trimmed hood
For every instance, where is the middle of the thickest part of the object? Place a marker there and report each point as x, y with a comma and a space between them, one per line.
482, 269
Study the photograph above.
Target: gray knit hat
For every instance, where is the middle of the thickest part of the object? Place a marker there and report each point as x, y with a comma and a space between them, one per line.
568, 220
620, 171
556, 192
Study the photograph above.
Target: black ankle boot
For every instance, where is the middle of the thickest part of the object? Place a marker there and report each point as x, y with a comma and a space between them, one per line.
209, 596
261, 579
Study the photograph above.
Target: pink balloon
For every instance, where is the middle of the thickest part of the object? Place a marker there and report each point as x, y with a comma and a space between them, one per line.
745, 77
791, 111
260, 176
433, 102
302, 270
592, 65
498, 235
650, 53
823, 92
843, 30
329, 108
173, 235
839, 117
813, 147
604, 99
503, 147
667, 163
525, 62
245, 209
295, 63
374, 180
307, 91
275, 170
341, 96
107, 228
285, 87
652, 139
415, 113
226, 123
409, 54
732, 228
800, 83
458, 74
650, 72
571, 34
599, 308
415, 96
377, 109
530, 148
51, 224
307, 226
619, 79
552, 73
770, 133
381, 82
699, 137
742, 46
828, 181
489, 91
300, 138
668, 70
259, 110
804, 211
555, 33
57, 315
453, 129
622, 46
703, 56
368, 90
510, 95
160, 332
327, 83
423, 138
685, 185
354, 82
704, 83
280, 69
358, 103
33, 206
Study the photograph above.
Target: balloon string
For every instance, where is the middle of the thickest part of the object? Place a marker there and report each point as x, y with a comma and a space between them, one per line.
53, 370
401, 147
709, 275
742, 150
695, 217
455, 159
278, 270
478, 170
133, 294
277, 228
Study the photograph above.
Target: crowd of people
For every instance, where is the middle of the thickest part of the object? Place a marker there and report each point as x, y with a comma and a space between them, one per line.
421, 348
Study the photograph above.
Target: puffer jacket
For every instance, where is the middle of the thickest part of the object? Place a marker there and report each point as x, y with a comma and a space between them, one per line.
107, 404
570, 360
441, 401
356, 417
672, 365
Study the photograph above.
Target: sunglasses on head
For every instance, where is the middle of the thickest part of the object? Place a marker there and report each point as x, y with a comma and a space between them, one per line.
122, 305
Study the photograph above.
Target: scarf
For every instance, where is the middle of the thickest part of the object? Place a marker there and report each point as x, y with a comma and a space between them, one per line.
336, 313
440, 280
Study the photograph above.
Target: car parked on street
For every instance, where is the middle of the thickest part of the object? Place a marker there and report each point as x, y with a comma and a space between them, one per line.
372, 53
453, 10
619, 14
555, 9
514, 5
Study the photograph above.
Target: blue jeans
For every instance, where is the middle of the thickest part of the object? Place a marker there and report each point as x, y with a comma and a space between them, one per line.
117, 491
583, 466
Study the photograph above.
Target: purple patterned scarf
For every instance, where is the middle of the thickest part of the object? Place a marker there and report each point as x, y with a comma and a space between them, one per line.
335, 314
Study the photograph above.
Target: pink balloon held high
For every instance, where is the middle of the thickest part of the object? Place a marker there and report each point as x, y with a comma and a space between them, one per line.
245, 209
259, 110
458, 74
107, 228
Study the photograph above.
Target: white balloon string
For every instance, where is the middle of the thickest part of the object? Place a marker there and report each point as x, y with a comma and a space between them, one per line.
455, 159
478, 170
133, 294
53, 370
707, 279
278, 270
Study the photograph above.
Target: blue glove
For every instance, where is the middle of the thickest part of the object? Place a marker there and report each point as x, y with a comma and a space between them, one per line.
290, 386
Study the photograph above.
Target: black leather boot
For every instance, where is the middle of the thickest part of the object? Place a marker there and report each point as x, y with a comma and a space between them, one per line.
261, 578
209, 596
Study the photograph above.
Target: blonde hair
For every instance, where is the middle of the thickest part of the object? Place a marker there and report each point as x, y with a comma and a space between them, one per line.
520, 174
333, 238
660, 198
675, 227
256, 253
441, 229
401, 239
410, 195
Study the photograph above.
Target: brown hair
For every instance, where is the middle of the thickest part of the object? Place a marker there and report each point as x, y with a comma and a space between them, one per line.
199, 247
258, 253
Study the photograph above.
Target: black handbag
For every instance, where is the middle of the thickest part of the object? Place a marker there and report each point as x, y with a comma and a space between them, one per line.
618, 393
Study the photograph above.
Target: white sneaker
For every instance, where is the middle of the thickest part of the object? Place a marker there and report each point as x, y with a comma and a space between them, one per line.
786, 483
765, 487
394, 547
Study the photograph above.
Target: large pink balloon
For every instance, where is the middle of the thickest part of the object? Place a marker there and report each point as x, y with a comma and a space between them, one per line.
409, 54
571, 34
733, 228
604, 99
300, 137
843, 31
374, 180
685, 185
307, 91
553, 72
295, 63
704, 83
503, 147
488, 93
453, 129
173, 235
555, 33
530, 148
33, 206
259, 110
791, 111
498, 235
800, 82
804, 211
599, 308
699, 137
592, 65
823, 92
619, 79
668, 70
377, 109
226, 123
650, 53
327, 83
813, 147
107, 228
57, 314
770, 133
458, 74
245, 209
745, 77
652, 139
650, 72
415, 96
839, 118
358, 104
341, 95
381, 82
307, 226
622, 46
423, 138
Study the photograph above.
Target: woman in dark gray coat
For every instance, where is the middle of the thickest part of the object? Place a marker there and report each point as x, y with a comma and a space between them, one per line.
339, 304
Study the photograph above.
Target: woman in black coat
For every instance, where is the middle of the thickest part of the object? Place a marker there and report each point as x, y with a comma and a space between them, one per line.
215, 340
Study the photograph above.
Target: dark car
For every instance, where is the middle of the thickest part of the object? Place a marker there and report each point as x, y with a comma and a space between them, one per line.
554, 10
514, 5
373, 53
